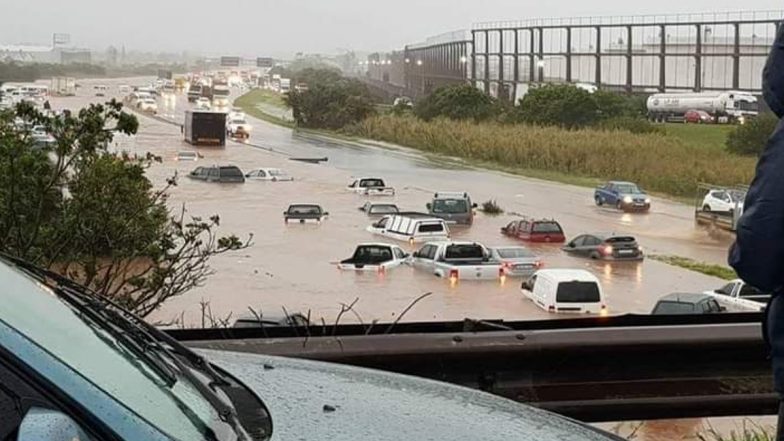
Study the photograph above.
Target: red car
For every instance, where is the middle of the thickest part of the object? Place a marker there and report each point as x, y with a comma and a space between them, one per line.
535, 230
697, 117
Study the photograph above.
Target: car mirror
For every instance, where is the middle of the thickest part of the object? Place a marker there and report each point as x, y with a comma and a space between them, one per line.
193, 173
474, 205
570, 245
326, 213
429, 205
285, 213
41, 424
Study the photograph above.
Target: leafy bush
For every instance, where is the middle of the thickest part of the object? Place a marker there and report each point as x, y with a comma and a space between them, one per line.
491, 207
751, 138
656, 162
460, 102
629, 124
559, 105
330, 102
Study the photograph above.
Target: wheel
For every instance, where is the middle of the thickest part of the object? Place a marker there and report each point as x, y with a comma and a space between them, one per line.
706, 208
598, 200
594, 255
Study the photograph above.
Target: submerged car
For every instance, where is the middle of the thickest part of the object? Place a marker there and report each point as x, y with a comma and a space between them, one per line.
374, 257
516, 261
605, 246
687, 303
535, 230
215, 173
304, 212
268, 174
187, 155
374, 209
625, 196
723, 201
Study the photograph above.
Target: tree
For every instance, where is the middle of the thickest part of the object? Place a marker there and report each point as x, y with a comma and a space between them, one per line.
562, 105
91, 214
330, 102
752, 137
459, 101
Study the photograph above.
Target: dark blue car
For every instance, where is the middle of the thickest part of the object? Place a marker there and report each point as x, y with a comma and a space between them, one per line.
625, 196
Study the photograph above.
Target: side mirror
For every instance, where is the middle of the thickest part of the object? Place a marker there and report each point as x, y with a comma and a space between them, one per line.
41, 424
429, 205
285, 213
722, 309
326, 213
570, 245
193, 173
474, 205
247, 175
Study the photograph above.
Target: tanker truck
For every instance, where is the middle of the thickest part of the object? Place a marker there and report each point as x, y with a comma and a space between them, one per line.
724, 107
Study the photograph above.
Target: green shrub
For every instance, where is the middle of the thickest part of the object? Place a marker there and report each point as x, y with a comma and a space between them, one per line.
491, 207
558, 105
460, 102
751, 138
330, 104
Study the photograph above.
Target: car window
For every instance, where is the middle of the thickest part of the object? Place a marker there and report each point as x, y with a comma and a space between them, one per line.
230, 172
627, 188
523, 226
382, 223
430, 228
546, 227
590, 241
726, 289
577, 292
261, 174
669, 307
578, 241
213, 172
750, 291
399, 253
431, 252
353, 184
450, 206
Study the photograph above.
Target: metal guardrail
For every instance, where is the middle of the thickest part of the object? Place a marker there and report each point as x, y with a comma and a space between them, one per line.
630, 367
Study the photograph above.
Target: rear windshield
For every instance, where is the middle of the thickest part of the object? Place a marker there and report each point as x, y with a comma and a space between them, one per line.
577, 292
450, 206
620, 239
546, 227
371, 183
187, 154
373, 254
304, 209
674, 308
511, 253
230, 171
464, 252
431, 228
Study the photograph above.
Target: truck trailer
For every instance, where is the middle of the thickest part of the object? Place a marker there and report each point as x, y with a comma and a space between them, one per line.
726, 107
63, 86
203, 127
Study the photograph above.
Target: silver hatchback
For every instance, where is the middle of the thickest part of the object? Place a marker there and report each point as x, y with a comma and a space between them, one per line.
516, 261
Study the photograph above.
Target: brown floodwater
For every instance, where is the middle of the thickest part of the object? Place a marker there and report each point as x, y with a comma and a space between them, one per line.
293, 265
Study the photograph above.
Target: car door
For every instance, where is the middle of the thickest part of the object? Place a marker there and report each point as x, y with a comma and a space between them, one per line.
400, 257
380, 226
589, 246
521, 231
213, 174
610, 194
197, 173
574, 245
423, 259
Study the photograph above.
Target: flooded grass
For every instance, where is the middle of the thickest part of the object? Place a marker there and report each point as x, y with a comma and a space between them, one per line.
491, 207
659, 163
248, 104
709, 269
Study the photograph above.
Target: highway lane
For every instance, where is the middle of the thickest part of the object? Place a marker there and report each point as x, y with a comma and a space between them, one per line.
293, 265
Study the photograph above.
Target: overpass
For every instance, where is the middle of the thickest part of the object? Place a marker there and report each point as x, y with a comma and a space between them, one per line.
685, 52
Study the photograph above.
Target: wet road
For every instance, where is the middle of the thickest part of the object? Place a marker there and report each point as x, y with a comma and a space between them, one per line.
293, 265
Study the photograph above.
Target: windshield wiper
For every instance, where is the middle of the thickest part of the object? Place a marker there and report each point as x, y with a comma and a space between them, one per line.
138, 336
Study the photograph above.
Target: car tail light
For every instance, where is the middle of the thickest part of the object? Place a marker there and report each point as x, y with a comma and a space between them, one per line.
381, 269
607, 250
538, 264
502, 270
453, 275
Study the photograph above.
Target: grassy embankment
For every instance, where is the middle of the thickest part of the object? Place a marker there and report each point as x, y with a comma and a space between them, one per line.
666, 164
248, 103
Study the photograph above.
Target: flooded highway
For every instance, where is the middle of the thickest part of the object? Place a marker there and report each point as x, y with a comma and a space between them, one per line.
293, 265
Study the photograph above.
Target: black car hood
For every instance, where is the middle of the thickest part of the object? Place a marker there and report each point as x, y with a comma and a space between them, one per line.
311, 400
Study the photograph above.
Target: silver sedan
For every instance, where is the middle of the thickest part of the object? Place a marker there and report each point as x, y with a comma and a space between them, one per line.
516, 261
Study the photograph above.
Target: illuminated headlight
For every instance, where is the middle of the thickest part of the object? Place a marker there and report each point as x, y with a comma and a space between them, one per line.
742, 120
647, 200
627, 199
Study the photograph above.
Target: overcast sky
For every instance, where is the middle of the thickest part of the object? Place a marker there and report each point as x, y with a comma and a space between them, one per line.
261, 27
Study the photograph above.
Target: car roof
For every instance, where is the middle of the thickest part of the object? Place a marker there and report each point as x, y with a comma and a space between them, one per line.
567, 275
304, 205
685, 297
377, 244
452, 242
450, 195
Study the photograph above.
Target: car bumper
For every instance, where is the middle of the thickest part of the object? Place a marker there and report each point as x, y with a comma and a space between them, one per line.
624, 258
635, 206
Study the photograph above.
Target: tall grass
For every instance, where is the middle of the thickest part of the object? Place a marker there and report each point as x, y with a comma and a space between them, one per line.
657, 162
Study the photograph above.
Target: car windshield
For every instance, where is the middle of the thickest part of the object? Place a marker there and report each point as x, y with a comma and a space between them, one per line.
514, 253
99, 358
467, 251
627, 188
450, 206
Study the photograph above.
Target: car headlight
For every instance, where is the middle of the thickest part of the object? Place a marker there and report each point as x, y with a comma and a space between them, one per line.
627, 199
647, 200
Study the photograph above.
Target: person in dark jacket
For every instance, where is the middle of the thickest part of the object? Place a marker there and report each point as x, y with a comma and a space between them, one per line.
758, 252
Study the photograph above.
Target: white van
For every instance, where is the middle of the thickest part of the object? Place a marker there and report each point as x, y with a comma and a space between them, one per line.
411, 228
565, 291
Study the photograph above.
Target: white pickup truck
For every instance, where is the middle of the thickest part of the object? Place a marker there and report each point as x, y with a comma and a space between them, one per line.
371, 187
458, 261
374, 257
737, 293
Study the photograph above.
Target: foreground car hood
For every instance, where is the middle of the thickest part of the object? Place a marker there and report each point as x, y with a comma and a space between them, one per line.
321, 401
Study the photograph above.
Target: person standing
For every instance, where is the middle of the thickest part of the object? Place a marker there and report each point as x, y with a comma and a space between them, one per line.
758, 252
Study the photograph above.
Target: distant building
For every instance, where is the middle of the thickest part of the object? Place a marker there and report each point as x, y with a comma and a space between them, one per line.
43, 54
